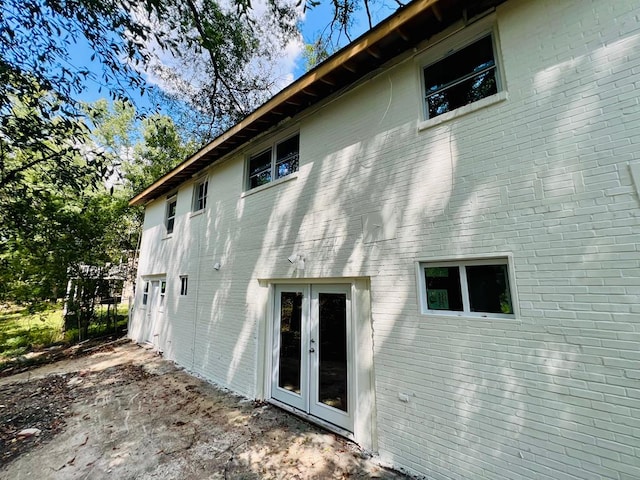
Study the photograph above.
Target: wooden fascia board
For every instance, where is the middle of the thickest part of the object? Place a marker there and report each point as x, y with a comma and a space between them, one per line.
334, 62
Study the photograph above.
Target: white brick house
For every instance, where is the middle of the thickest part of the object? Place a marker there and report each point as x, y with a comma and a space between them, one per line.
430, 243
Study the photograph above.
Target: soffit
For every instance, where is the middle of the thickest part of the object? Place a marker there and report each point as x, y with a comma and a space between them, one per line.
411, 25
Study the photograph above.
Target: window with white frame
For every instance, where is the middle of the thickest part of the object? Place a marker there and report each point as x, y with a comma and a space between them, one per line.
472, 287
200, 195
171, 214
184, 283
465, 75
277, 161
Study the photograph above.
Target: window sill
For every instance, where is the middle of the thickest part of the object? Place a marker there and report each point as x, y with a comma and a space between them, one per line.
468, 315
167, 237
196, 213
459, 112
288, 178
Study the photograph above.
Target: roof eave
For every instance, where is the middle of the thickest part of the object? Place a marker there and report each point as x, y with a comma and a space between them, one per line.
343, 68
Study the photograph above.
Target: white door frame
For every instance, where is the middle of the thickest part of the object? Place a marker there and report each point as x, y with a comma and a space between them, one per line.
363, 398
154, 310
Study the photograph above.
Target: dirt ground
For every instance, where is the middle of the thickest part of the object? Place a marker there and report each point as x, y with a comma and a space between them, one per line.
123, 412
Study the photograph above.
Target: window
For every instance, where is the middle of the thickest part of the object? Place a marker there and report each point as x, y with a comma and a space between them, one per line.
163, 290
200, 195
171, 214
464, 76
475, 287
145, 293
184, 282
276, 162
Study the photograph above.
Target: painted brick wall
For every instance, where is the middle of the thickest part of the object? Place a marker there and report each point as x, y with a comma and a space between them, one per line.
543, 176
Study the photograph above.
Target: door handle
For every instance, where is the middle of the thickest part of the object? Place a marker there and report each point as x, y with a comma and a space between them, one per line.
311, 350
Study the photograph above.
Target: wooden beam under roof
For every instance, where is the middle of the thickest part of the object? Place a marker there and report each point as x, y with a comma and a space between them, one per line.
437, 12
328, 81
374, 53
348, 67
402, 35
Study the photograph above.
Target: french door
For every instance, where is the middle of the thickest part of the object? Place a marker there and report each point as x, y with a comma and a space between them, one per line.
312, 351
155, 307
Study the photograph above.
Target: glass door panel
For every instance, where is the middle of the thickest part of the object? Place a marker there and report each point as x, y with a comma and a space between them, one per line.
290, 341
289, 378
331, 357
332, 342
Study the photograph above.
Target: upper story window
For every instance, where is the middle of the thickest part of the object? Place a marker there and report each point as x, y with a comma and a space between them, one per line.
279, 160
464, 76
200, 195
184, 284
171, 214
474, 288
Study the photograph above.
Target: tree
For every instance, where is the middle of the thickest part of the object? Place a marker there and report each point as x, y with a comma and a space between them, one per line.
315, 53
127, 39
219, 93
52, 168
139, 150
53, 230
37, 136
161, 148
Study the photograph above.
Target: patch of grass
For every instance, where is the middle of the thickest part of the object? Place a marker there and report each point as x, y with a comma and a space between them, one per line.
21, 331
101, 325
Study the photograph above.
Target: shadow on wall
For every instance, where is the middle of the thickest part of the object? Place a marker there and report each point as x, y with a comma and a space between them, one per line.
480, 390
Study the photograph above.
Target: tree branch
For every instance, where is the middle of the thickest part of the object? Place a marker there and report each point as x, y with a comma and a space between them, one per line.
366, 7
11, 176
218, 77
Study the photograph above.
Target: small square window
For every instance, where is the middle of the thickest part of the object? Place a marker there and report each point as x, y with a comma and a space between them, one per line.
464, 76
184, 283
171, 214
276, 162
475, 287
200, 195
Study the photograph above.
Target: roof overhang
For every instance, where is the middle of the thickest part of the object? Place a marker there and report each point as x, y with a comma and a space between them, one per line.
409, 26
